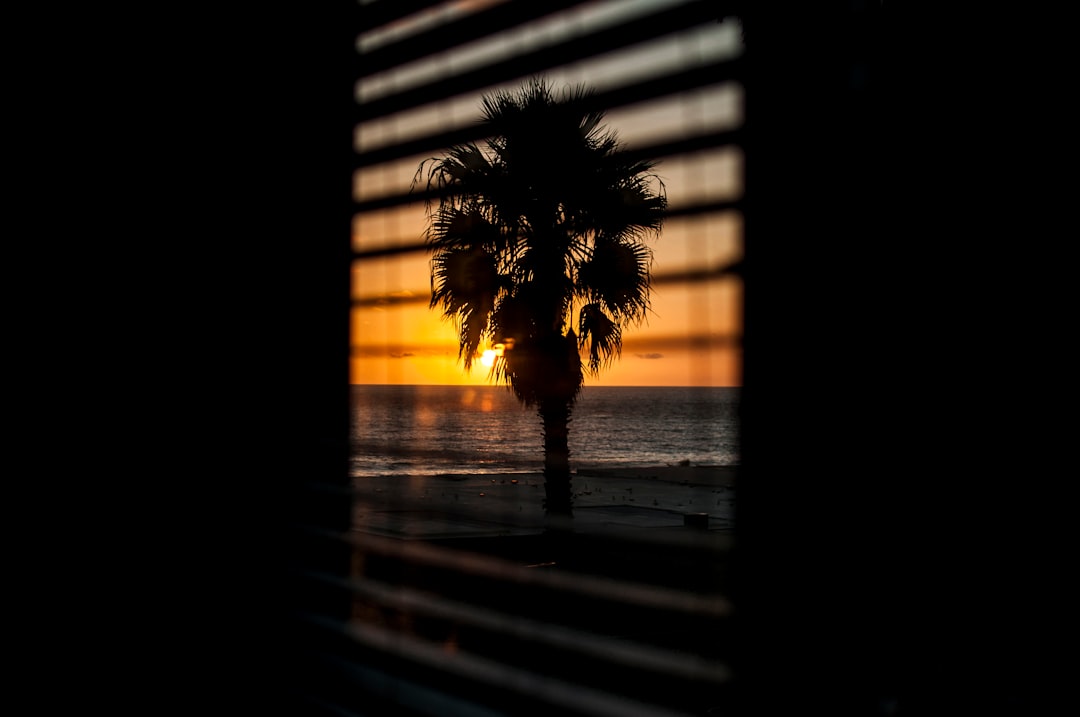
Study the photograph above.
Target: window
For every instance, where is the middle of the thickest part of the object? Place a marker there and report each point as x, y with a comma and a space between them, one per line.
463, 598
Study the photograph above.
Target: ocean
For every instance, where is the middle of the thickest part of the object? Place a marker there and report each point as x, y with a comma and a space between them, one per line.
439, 430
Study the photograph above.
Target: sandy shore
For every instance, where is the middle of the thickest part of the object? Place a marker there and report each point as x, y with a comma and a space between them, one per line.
632, 497
692, 474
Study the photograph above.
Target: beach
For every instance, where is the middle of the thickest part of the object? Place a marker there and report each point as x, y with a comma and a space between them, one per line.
642, 574
667, 498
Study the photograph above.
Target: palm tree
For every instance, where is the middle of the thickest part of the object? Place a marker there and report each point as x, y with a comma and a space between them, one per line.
538, 244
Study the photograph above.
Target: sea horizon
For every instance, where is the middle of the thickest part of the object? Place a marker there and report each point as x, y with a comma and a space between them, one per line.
438, 429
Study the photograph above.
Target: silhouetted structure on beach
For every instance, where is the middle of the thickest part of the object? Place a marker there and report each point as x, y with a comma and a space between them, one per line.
539, 246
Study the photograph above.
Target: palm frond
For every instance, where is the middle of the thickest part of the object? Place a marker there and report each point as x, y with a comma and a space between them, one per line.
466, 284
473, 327
602, 336
617, 276
512, 319
462, 275
452, 227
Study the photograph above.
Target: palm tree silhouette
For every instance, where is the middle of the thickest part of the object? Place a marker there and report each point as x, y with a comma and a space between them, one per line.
543, 225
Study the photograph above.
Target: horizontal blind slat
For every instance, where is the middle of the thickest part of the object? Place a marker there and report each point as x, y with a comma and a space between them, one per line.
636, 31
572, 698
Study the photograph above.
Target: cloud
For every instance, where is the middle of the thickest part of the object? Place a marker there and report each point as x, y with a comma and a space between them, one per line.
407, 354
650, 356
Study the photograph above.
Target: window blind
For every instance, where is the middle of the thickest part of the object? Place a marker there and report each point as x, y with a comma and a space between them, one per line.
610, 619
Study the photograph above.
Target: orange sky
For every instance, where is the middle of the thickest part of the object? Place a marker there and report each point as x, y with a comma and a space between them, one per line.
398, 339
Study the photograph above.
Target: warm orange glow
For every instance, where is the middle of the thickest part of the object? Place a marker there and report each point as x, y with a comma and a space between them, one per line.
690, 338
691, 334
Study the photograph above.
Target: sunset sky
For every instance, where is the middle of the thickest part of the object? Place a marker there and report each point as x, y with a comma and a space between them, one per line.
686, 340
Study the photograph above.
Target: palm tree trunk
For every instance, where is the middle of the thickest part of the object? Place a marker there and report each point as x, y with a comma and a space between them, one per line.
555, 415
